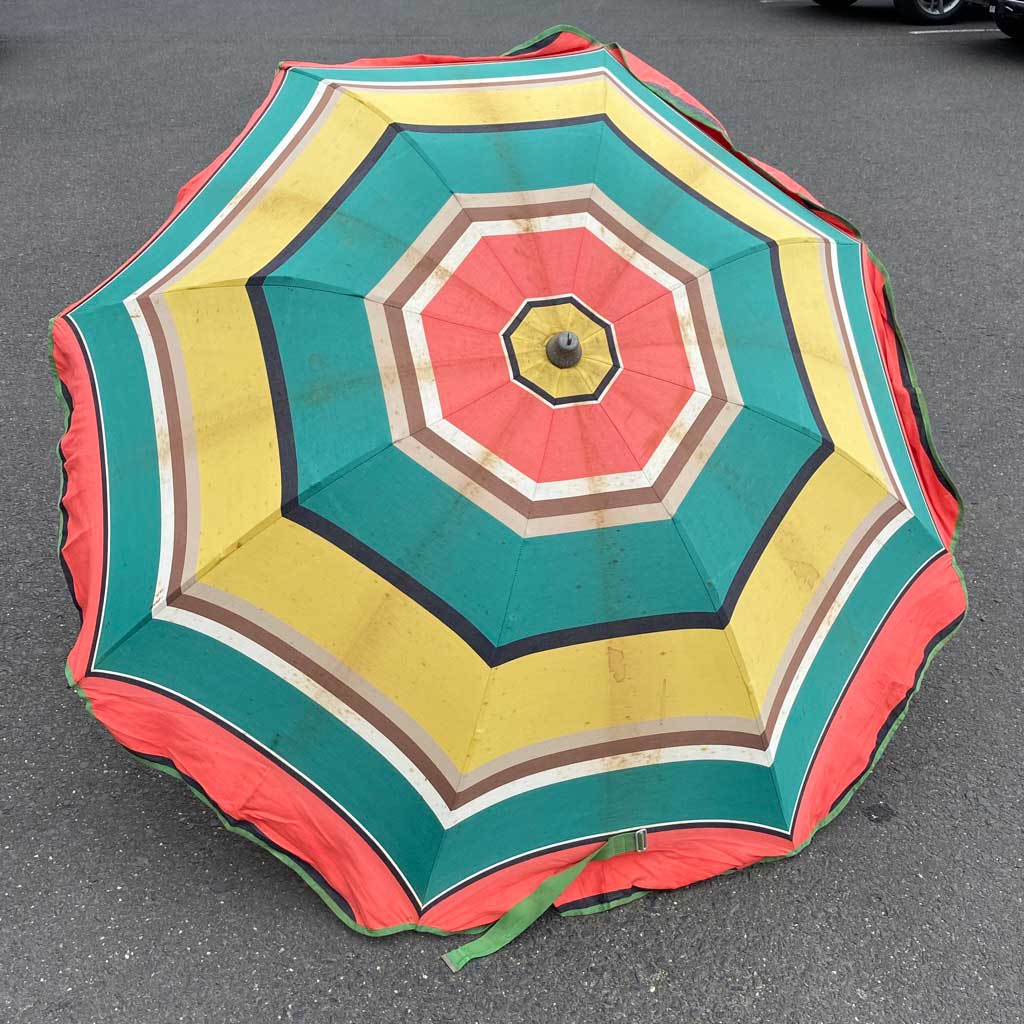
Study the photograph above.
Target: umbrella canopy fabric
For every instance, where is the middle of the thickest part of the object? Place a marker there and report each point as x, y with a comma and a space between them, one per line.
487, 467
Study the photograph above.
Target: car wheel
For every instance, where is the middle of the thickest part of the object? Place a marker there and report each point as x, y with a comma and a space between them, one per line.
835, 5
929, 12
1011, 24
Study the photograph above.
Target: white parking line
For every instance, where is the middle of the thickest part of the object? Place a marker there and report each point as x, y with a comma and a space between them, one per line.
936, 31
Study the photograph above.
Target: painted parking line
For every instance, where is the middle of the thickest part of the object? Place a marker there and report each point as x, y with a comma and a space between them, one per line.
937, 31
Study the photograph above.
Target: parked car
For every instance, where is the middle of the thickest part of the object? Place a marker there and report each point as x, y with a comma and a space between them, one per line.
1007, 14
918, 12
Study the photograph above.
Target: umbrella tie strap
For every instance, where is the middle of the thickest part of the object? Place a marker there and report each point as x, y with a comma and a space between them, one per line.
516, 920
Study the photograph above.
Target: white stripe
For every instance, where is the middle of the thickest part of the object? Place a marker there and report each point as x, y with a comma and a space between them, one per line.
300, 681
892, 604
131, 304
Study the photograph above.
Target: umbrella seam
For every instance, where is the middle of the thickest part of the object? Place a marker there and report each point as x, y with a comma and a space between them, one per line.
712, 594
487, 683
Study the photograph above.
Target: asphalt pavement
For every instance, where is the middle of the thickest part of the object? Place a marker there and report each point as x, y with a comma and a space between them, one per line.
122, 900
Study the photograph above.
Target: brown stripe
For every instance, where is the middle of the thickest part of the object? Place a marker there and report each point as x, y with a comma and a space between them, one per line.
705, 342
179, 495
890, 513
429, 261
330, 682
160, 346
753, 741
408, 379
612, 748
686, 448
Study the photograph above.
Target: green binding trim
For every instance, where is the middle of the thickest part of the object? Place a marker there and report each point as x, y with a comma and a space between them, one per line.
65, 408
515, 921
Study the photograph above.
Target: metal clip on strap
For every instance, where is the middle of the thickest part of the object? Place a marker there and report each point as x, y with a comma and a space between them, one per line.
516, 920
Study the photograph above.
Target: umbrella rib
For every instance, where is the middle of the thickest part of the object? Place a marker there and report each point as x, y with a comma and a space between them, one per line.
487, 683
717, 604
465, 405
267, 282
777, 244
280, 513
789, 424
407, 137
508, 600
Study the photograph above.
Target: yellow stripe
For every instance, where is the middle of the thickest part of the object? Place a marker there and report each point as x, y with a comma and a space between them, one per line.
238, 462
235, 435
353, 614
415, 661
833, 503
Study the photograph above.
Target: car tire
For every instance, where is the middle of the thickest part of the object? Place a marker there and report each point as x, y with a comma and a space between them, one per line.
835, 5
1012, 25
929, 12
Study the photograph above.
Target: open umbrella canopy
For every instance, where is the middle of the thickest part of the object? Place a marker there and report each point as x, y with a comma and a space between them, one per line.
487, 468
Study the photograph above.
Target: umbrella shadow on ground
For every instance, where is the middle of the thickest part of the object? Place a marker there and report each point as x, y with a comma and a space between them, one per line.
997, 49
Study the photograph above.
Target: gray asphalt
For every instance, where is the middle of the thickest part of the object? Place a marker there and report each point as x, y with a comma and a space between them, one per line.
123, 901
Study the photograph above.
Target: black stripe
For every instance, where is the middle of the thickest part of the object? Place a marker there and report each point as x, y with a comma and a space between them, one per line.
497, 654
396, 576
517, 374
63, 535
278, 393
598, 899
811, 465
534, 46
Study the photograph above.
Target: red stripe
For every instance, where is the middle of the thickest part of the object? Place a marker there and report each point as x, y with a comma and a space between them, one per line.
247, 786
942, 502
83, 495
887, 673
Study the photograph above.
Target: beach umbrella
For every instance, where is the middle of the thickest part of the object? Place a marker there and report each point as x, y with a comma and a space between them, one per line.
491, 490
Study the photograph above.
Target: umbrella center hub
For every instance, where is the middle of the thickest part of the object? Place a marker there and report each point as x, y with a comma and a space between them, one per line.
564, 349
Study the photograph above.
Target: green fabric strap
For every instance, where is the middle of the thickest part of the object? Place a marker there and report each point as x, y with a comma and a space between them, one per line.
515, 921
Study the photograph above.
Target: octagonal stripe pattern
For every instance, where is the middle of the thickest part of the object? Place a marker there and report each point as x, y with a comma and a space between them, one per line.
348, 517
